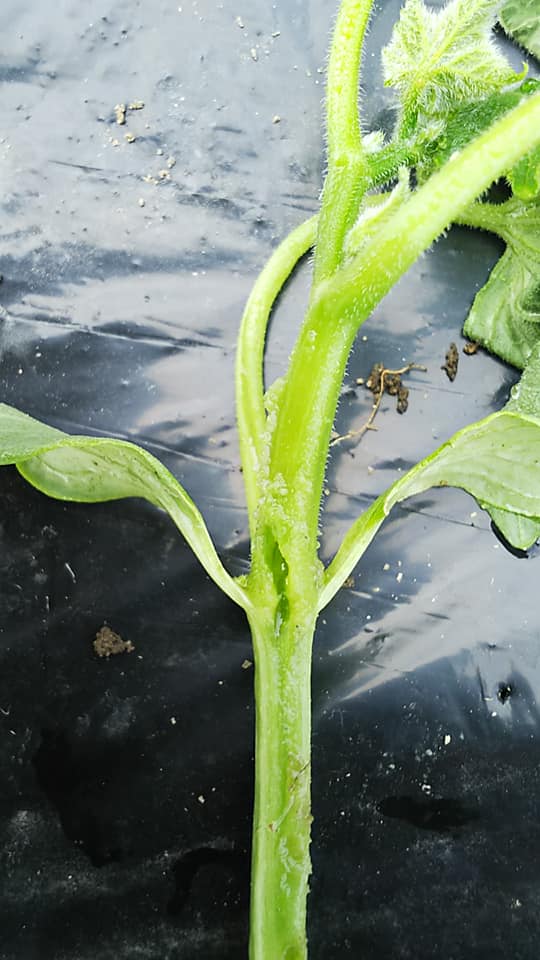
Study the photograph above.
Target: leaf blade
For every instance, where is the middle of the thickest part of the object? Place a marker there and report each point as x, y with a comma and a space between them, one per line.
521, 19
496, 460
505, 315
496, 319
519, 531
438, 59
93, 470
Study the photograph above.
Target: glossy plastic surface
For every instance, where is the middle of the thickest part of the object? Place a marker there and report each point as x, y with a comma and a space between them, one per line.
126, 783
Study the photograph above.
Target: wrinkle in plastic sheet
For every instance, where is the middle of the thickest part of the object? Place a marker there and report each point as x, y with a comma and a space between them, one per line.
126, 800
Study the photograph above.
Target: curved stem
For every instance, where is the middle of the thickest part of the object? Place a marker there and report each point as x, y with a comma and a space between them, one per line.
346, 180
250, 411
301, 437
432, 208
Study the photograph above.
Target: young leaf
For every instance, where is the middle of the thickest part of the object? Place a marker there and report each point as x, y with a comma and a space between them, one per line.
440, 59
521, 19
92, 470
497, 460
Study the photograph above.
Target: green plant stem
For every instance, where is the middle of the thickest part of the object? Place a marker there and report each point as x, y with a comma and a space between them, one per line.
433, 207
347, 177
282, 815
307, 409
250, 410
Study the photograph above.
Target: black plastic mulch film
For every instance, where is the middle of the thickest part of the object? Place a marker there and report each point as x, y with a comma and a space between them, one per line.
128, 250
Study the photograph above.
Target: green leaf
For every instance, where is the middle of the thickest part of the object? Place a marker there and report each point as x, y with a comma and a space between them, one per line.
521, 19
519, 531
92, 470
525, 398
522, 531
497, 460
499, 318
505, 315
438, 59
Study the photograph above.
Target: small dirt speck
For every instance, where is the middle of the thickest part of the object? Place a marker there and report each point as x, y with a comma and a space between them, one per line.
504, 692
120, 113
109, 644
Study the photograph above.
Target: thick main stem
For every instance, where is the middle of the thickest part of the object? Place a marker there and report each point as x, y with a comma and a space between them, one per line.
282, 816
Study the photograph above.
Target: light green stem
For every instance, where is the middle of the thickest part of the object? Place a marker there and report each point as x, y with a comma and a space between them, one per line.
301, 437
346, 180
285, 528
250, 411
282, 816
433, 207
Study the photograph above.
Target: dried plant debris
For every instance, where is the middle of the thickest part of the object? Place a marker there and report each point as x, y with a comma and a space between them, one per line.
373, 382
109, 644
451, 360
381, 380
402, 399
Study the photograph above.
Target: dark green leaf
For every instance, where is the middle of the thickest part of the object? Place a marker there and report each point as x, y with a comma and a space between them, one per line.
499, 318
505, 315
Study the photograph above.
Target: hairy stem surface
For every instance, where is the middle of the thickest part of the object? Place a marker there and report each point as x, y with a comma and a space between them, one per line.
282, 816
250, 410
346, 181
